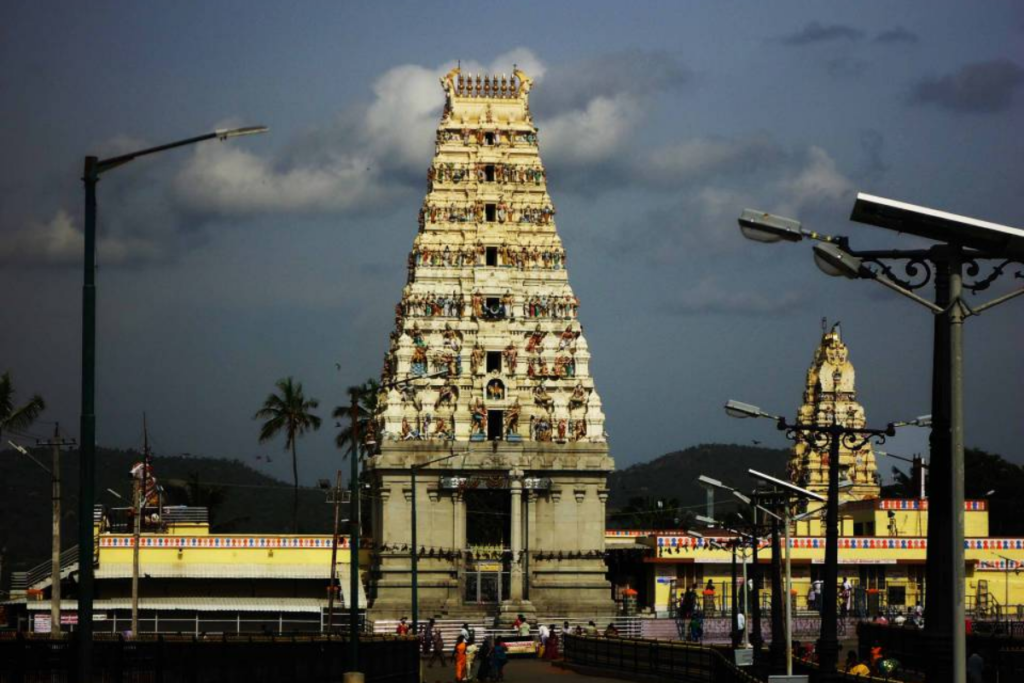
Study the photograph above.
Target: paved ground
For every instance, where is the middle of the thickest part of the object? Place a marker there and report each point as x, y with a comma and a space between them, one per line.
522, 671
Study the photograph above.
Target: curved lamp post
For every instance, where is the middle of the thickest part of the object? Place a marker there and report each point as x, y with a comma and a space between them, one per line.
821, 436
962, 245
94, 167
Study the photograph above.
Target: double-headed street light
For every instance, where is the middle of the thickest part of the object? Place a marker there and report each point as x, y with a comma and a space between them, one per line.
831, 435
94, 167
962, 244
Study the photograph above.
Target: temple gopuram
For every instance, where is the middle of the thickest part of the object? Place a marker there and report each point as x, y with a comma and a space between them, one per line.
486, 387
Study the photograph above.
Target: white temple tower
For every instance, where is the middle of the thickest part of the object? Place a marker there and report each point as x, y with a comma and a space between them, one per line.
497, 377
831, 396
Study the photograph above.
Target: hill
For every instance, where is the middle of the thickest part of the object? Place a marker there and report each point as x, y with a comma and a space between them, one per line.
673, 476
240, 498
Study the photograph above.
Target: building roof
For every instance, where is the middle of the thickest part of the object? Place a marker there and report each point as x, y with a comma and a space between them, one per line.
198, 603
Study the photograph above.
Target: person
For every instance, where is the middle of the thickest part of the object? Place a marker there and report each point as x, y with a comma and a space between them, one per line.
881, 619
741, 625
812, 598
876, 655
459, 654
480, 669
427, 638
900, 620
847, 597
975, 668
611, 631
464, 632
524, 628
437, 645
819, 586
565, 628
859, 668
498, 660
851, 661
551, 650
591, 629
517, 623
689, 601
697, 626
544, 633
402, 628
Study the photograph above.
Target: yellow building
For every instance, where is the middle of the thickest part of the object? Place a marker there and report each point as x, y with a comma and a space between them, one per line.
882, 544
192, 581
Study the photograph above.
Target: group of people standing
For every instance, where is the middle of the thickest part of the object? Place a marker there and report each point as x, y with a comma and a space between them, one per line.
473, 662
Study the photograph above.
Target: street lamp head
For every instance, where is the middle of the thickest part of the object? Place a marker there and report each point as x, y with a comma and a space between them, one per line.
226, 133
920, 421
744, 498
708, 481
694, 534
741, 410
834, 261
708, 521
786, 486
765, 227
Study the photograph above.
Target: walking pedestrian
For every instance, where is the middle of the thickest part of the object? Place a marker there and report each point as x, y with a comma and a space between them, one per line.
459, 654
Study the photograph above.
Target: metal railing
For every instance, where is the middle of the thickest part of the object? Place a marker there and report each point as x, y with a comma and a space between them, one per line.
656, 658
21, 581
170, 659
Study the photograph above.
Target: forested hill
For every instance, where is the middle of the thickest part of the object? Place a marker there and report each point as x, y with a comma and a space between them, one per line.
240, 498
674, 475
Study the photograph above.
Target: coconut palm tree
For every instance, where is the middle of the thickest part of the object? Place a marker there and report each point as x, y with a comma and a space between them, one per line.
366, 396
289, 411
20, 417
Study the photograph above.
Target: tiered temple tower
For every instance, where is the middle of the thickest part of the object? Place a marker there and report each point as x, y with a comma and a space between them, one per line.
495, 386
830, 395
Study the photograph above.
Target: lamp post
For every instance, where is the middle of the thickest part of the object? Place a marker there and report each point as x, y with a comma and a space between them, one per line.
962, 243
830, 435
94, 167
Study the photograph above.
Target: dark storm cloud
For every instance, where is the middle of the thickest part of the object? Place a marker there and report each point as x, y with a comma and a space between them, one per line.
724, 298
981, 87
635, 73
814, 33
896, 36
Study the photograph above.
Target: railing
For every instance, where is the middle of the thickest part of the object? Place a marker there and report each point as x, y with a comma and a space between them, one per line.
636, 656
169, 659
21, 581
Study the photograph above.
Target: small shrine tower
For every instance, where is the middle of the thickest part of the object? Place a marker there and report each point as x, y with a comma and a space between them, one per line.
487, 377
830, 395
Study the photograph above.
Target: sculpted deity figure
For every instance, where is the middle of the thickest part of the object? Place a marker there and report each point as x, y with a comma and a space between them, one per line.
512, 419
579, 430
447, 395
448, 83
525, 84
541, 397
511, 355
579, 396
406, 433
479, 416
476, 359
534, 339
478, 305
567, 338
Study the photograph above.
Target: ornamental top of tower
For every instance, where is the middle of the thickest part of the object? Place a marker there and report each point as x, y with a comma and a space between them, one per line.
456, 84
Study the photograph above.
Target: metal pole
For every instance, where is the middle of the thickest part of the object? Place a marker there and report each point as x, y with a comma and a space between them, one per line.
940, 581
136, 538
746, 603
87, 428
735, 621
956, 500
334, 555
414, 557
353, 608
778, 657
789, 599
755, 594
55, 566
828, 642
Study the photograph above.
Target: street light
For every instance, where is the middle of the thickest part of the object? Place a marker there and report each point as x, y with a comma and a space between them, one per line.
94, 167
961, 243
830, 435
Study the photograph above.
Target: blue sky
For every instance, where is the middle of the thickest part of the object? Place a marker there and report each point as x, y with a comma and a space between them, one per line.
230, 265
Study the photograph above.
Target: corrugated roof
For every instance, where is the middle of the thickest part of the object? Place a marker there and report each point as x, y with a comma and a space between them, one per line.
201, 604
193, 570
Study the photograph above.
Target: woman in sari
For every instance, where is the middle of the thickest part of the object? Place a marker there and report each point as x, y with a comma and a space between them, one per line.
460, 659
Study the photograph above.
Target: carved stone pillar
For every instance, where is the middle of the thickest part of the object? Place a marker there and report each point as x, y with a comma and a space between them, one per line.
515, 592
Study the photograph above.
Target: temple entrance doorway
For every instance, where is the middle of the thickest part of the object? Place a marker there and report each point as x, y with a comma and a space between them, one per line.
488, 534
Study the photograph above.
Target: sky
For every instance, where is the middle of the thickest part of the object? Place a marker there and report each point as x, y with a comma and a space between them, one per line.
228, 265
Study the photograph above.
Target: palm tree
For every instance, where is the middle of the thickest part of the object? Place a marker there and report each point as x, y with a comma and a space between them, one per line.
366, 396
20, 417
288, 411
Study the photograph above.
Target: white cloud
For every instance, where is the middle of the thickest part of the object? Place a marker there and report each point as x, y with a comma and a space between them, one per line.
594, 133
60, 242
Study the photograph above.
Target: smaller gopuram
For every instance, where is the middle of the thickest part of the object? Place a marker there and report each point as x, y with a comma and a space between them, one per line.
487, 389
831, 396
